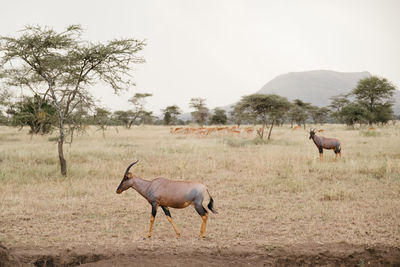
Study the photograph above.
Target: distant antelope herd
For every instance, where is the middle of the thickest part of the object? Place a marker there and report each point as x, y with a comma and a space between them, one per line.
203, 131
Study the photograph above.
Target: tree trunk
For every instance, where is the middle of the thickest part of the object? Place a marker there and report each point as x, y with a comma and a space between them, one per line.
270, 129
63, 162
261, 133
61, 139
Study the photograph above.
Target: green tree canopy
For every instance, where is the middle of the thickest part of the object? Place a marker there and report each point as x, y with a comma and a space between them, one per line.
138, 112
38, 114
353, 113
319, 115
266, 108
101, 119
299, 112
170, 113
337, 104
124, 117
239, 114
376, 96
201, 112
219, 117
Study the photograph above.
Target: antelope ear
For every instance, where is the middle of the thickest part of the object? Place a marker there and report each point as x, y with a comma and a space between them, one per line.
129, 175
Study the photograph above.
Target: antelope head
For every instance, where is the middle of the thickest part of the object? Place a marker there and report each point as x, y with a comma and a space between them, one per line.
312, 133
127, 180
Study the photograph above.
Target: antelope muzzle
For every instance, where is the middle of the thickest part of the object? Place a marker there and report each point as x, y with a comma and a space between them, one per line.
120, 187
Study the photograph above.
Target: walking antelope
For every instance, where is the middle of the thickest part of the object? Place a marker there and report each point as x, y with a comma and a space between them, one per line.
327, 143
167, 194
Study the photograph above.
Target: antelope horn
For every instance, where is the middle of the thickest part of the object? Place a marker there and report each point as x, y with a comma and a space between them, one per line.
130, 166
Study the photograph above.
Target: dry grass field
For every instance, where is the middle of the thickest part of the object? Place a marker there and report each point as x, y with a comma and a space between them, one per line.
278, 203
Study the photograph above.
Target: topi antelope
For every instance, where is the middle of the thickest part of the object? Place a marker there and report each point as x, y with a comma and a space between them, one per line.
169, 194
327, 143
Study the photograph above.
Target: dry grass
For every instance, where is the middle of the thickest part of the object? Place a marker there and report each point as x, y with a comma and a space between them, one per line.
271, 194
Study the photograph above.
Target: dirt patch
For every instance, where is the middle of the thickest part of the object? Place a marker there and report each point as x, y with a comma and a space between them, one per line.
60, 258
339, 254
7, 258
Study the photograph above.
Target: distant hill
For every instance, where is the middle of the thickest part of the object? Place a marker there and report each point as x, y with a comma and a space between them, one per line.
317, 86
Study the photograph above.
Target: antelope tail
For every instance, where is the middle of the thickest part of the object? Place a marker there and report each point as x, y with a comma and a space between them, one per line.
210, 205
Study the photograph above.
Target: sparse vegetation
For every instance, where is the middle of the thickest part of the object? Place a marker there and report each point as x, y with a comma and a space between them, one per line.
274, 194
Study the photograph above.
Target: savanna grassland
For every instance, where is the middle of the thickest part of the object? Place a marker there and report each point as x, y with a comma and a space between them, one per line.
277, 203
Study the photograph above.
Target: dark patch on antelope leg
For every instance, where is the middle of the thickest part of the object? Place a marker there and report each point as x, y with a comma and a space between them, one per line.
200, 209
154, 207
169, 218
321, 151
166, 211
339, 150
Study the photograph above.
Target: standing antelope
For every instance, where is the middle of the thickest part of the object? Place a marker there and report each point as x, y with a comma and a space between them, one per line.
169, 194
327, 143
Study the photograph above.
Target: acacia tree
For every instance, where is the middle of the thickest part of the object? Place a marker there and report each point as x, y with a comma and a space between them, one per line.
170, 114
60, 66
353, 113
240, 115
375, 95
319, 115
337, 104
138, 101
123, 117
201, 113
219, 117
299, 112
266, 108
101, 118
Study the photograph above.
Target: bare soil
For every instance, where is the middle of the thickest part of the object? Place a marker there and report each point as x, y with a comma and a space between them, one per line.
337, 254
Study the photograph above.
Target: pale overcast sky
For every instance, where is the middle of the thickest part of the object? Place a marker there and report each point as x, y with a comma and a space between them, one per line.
222, 50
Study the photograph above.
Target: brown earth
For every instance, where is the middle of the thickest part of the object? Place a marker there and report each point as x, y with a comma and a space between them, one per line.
338, 254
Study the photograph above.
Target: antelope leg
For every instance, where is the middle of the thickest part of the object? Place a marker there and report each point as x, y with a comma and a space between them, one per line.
203, 225
169, 218
152, 218
321, 150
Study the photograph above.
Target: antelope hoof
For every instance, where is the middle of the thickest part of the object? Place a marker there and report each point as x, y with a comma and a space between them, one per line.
178, 235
